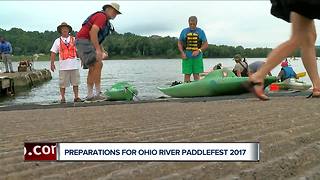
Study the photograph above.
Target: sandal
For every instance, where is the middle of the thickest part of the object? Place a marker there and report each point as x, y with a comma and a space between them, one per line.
259, 93
77, 100
315, 93
62, 101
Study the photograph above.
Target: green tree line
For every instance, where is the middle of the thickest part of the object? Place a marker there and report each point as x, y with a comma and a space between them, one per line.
125, 46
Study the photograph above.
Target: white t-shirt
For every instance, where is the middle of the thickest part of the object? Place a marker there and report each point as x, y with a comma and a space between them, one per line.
68, 64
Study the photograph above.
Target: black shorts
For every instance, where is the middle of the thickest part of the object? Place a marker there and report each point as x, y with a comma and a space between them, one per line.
307, 8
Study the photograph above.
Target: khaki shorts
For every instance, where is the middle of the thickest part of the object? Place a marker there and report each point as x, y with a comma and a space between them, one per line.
67, 77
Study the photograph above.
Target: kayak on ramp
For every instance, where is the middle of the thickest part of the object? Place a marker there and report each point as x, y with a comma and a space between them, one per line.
217, 83
121, 91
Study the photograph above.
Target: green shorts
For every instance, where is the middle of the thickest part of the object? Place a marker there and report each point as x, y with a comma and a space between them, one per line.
192, 65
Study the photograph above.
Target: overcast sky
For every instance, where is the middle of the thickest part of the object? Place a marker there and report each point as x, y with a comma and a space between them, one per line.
246, 23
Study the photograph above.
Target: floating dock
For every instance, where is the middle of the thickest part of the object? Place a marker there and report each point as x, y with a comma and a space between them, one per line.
11, 83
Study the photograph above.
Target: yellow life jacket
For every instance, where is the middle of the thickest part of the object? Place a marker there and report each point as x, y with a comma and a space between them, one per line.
193, 42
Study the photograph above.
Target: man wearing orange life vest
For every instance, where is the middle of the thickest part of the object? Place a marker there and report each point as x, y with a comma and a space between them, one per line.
68, 61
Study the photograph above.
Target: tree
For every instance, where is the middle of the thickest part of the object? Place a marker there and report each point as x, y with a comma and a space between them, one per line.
126, 46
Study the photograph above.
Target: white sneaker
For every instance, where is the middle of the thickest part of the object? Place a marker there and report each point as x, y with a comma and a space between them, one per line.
89, 99
99, 98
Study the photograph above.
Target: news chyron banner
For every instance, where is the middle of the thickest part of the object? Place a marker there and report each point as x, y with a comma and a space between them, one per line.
141, 151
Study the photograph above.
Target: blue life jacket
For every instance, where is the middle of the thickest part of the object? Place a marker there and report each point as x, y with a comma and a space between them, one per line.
5, 47
105, 31
288, 72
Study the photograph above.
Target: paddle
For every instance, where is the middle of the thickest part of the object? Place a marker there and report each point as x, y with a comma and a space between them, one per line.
134, 94
301, 74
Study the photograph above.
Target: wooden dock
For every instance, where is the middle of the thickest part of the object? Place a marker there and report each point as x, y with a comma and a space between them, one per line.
10, 83
6, 86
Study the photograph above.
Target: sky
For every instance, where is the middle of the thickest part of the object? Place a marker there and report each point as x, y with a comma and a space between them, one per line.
233, 23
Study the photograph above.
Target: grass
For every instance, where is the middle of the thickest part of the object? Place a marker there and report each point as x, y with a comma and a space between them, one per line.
25, 57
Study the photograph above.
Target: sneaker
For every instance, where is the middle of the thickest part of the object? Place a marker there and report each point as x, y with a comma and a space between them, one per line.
89, 99
99, 98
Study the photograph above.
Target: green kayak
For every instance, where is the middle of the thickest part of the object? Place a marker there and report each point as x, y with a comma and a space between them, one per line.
121, 91
216, 83
292, 84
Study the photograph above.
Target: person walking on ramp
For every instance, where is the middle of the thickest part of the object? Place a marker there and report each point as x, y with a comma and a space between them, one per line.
303, 35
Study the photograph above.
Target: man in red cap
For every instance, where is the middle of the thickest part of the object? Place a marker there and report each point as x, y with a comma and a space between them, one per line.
286, 72
89, 47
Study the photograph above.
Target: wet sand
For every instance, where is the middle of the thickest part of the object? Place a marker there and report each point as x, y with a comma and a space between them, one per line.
288, 129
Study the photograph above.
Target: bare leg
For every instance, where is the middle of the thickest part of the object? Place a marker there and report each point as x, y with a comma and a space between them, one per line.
303, 36
76, 92
308, 52
62, 93
196, 76
187, 78
97, 81
283, 50
90, 81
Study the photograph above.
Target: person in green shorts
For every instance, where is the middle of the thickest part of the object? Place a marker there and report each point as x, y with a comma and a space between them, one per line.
191, 44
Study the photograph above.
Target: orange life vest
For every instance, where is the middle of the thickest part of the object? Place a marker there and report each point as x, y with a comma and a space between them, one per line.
67, 51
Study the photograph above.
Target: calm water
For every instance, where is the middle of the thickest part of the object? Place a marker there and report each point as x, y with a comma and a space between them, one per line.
146, 75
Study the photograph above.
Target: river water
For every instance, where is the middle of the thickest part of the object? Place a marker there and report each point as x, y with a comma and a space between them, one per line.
146, 75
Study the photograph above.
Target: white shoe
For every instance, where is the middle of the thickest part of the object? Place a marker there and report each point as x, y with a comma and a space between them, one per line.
99, 98
89, 99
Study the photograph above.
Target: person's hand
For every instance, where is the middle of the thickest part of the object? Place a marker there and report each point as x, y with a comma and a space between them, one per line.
53, 67
183, 55
105, 55
195, 53
99, 55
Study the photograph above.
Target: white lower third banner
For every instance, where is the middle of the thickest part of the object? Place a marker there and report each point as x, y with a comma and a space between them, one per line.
158, 152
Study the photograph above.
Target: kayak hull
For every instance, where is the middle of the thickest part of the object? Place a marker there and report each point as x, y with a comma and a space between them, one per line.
121, 91
293, 84
217, 83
